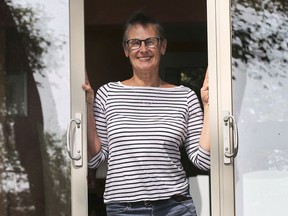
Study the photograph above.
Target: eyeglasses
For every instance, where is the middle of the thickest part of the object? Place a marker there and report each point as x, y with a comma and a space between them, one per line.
150, 42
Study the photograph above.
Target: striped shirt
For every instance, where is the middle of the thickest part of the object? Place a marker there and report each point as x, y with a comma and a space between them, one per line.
141, 130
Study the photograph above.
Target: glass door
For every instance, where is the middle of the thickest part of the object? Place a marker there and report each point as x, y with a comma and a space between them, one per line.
260, 105
35, 107
248, 59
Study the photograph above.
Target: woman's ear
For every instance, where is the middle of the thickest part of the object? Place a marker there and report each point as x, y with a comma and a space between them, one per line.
163, 46
126, 52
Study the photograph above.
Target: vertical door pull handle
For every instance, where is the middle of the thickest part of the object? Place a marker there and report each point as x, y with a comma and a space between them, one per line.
74, 139
230, 138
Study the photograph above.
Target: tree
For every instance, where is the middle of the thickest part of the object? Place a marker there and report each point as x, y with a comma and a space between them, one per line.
259, 33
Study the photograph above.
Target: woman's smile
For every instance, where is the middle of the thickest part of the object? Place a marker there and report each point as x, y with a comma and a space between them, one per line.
146, 58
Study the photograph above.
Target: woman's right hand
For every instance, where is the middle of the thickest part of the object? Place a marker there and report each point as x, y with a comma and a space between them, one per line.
89, 93
94, 145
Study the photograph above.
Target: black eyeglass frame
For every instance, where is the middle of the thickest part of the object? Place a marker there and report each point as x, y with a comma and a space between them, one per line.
159, 39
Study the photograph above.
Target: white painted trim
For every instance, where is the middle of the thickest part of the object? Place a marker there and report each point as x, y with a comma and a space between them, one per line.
79, 190
219, 60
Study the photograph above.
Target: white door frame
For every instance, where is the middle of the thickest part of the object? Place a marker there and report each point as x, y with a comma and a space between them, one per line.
219, 60
79, 190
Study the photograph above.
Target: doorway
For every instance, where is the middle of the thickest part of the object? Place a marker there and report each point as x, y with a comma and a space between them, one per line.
184, 63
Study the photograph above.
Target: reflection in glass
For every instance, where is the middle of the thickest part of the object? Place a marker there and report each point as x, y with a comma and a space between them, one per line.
34, 107
260, 101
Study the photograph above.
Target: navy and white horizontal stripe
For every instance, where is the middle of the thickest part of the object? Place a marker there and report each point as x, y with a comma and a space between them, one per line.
141, 129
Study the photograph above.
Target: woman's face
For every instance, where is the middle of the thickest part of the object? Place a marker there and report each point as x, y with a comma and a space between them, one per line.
144, 59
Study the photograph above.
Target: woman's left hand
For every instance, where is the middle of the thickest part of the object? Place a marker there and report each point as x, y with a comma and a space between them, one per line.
205, 90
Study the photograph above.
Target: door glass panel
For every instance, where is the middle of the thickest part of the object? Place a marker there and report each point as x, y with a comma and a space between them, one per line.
34, 107
260, 104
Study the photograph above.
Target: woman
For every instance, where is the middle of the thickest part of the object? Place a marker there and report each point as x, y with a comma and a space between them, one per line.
140, 124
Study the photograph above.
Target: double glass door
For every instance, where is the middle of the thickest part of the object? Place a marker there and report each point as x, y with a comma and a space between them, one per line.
37, 74
41, 59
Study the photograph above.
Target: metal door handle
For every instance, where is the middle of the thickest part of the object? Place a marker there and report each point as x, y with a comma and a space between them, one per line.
230, 131
74, 136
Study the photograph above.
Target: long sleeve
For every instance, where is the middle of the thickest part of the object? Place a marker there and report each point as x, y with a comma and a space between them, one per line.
101, 126
199, 157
